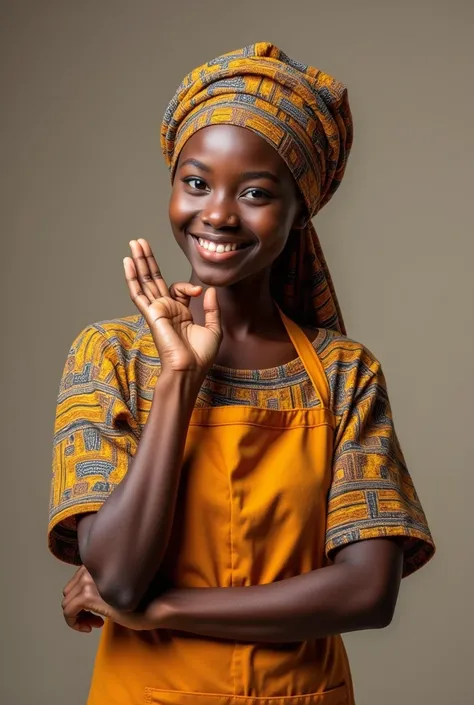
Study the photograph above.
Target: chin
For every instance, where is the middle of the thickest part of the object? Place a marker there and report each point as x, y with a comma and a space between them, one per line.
212, 276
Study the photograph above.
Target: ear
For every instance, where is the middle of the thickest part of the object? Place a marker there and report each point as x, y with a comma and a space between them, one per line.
301, 217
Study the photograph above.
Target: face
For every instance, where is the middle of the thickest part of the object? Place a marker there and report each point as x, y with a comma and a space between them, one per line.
233, 205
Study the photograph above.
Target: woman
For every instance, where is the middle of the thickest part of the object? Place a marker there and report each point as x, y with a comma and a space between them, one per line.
226, 468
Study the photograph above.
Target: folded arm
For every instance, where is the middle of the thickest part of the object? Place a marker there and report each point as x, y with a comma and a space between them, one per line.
359, 591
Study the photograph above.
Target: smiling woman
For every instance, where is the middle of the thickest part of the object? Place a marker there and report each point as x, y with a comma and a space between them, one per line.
226, 467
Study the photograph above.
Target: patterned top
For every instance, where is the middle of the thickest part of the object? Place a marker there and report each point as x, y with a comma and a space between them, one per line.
105, 396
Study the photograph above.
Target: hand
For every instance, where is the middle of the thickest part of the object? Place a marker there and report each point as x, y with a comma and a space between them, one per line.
82, 600
182, 345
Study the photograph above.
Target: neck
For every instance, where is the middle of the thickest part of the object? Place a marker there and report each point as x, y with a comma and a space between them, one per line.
246, 307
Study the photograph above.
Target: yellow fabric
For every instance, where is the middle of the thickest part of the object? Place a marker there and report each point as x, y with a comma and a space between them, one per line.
236, 526
304, 114
105, 397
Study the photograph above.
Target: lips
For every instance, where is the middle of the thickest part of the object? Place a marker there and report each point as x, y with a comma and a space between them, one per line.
218, 249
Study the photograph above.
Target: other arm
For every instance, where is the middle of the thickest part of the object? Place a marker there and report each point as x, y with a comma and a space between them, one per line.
358, 592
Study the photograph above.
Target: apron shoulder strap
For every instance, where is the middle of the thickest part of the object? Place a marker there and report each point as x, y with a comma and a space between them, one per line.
309, 358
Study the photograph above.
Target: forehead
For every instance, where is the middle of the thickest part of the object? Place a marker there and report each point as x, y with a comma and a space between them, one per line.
228, 144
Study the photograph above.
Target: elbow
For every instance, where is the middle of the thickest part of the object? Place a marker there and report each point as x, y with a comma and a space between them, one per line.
108, 576
380, 610
382, 617
113, 590
120, 597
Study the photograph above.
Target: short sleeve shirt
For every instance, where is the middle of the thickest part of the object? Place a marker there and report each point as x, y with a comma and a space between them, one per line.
105, 396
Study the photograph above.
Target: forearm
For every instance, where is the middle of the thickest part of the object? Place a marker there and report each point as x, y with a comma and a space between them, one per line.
333, 600
125, 541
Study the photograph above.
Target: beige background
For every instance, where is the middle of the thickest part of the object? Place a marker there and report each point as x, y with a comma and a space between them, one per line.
84, 85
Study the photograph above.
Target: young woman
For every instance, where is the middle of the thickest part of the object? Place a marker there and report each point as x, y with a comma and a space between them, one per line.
226, 470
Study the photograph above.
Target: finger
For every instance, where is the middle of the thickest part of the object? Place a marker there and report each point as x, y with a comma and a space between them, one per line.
138, 296
75, 590
154, 268
90, 619
83, 604
84, 621
72, 611
77, 598
142, 271
81, 582
75, 578
147, 283
183, 291
212, 312
148, 271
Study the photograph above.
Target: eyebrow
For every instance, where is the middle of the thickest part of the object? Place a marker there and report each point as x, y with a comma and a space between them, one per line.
247, 176
196, 163
260, 175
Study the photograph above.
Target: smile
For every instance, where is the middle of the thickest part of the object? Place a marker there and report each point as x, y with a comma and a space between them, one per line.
221, 247
218, 251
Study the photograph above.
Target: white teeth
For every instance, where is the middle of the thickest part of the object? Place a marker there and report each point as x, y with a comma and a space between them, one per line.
220, 248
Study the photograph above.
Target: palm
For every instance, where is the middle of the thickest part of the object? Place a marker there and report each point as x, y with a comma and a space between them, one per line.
182, 344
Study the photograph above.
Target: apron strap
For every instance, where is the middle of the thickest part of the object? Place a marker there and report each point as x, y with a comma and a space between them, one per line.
309, 358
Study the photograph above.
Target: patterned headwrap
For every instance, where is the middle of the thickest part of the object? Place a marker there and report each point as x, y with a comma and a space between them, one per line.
305, 115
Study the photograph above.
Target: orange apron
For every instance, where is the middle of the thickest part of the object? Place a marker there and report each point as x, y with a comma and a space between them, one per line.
251, 510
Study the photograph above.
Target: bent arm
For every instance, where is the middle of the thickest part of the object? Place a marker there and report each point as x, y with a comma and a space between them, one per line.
123, 544
358, 592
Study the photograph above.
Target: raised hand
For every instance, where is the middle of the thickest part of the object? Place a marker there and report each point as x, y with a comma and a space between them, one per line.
182, 345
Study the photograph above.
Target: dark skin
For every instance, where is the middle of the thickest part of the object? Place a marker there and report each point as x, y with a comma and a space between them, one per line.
230, 187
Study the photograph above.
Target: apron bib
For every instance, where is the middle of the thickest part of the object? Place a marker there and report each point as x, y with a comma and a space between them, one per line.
251, 510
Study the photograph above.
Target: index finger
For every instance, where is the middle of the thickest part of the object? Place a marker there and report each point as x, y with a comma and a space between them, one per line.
154, 268
77, 575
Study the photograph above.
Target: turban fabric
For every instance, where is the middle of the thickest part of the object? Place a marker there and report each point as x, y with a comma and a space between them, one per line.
305, 115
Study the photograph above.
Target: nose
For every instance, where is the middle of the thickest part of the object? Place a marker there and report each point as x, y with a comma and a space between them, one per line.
220, 214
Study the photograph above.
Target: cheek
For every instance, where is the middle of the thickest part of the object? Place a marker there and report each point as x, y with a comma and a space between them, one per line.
273, 225
180, 210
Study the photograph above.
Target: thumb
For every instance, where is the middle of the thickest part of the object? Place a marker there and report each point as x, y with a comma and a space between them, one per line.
212, 312
183, 291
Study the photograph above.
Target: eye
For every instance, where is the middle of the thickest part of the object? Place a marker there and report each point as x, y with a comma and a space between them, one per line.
195, 183
256, 194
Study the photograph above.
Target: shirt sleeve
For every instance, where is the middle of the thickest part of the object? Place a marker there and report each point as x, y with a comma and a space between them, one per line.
95, 435
372, 494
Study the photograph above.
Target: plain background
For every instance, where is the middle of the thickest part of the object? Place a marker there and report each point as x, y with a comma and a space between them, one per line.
84, 86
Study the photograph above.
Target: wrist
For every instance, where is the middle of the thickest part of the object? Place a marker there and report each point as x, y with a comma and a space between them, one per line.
180, 383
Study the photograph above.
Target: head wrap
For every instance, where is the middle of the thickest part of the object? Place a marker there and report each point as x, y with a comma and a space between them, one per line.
305, 115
